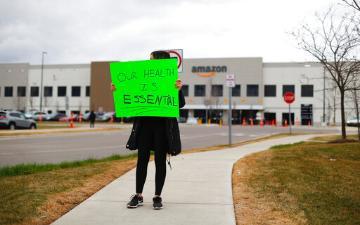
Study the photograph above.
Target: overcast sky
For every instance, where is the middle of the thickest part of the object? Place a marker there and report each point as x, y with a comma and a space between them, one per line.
81, 31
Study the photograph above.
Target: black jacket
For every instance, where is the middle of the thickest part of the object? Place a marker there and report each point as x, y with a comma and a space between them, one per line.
92, 117
172, 131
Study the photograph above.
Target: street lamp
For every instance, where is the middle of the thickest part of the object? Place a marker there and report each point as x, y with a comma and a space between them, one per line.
42, 77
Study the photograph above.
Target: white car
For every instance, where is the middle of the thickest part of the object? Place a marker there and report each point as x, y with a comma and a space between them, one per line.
28, 115
191, 120
40, 115
353, 122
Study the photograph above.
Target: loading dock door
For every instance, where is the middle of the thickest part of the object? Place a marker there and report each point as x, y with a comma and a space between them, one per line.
285, 116
201, 114
306, 114
269, 117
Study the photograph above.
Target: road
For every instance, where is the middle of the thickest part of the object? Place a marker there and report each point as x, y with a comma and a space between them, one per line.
54, 148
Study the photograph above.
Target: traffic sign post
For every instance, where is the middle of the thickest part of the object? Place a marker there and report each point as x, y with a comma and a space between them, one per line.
289, 98
230, 82
177, 53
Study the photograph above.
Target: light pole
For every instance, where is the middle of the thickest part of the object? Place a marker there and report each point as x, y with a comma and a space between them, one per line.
42, 77
323, 119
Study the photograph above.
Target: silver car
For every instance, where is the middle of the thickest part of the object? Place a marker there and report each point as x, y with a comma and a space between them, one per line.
14, 119
40, 116
353, 122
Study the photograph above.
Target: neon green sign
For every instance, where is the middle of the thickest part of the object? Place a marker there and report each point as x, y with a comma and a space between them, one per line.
145, 88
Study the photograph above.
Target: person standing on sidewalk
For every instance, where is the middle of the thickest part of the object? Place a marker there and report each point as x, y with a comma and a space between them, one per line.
160, 134
92, 118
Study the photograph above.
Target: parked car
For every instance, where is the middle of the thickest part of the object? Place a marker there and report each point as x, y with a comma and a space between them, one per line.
191, 120
28, 115
74, 117
182, 119
16, 120
100, 116
39, 115
353, 122
55, 116
86, 116
104, 116
236, 120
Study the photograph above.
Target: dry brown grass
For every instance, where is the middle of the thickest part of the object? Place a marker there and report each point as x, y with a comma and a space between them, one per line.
304, 183
248, 206
81, 183
336, 138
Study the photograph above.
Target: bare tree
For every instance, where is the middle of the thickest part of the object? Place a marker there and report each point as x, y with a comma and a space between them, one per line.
333, 43
355, 4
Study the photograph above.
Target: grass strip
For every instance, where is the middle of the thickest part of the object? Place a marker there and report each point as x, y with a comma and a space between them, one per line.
302, 183
39, 194
25, 169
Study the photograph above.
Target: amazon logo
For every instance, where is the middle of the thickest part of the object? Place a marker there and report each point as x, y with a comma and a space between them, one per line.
208, 71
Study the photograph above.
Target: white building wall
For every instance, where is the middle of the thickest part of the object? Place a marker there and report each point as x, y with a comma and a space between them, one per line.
60, 75
304, 73
13, 75
297, 74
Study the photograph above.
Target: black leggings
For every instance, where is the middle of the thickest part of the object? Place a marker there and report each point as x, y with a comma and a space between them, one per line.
141, 170
152, 136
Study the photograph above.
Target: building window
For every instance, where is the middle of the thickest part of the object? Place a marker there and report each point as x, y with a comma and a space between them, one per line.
8, 92
48, 91
87, 91
216, 90
288, 88
185, 90
61, 91
270, 90
252, 90
199, 90
75, 91
236, 91
21, 91
34, 91
307, 90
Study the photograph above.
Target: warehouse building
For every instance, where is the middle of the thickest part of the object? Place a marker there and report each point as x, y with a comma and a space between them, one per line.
258, 93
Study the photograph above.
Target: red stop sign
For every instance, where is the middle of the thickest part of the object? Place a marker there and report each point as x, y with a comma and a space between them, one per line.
289, 97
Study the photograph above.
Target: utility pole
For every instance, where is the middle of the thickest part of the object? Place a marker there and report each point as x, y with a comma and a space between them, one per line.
357, 112
323, 120
230, 115
230, 83
42, 78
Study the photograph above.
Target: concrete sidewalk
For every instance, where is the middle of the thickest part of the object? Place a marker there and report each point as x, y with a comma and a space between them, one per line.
197, 191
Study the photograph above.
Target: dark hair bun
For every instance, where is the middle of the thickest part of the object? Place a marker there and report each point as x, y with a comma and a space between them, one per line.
160, 55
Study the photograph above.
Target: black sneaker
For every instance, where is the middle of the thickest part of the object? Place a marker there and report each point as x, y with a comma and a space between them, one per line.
157, 203
135, 201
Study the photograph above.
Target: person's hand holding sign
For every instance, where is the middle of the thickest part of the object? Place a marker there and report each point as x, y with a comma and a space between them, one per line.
112, 87
178, 84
